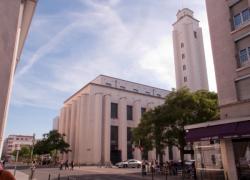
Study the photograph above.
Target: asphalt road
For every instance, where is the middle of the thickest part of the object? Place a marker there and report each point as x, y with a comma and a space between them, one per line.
88, 173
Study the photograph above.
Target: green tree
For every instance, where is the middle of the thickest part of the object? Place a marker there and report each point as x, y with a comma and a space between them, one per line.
24, 153
52, 143
164, 125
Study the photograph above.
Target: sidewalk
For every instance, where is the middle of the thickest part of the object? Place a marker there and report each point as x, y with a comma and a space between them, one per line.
20, 175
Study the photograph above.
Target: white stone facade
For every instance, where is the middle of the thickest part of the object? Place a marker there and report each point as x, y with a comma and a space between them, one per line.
189, 56
86, 119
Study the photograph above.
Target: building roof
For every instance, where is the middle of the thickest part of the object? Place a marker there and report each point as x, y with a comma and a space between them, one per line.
93, 82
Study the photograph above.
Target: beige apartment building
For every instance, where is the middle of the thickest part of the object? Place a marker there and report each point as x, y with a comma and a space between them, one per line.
98, 120
189, 56
15, 19
228, 139
14, 142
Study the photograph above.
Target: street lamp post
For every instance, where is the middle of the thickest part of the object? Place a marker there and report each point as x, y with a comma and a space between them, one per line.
32, 149
17, 154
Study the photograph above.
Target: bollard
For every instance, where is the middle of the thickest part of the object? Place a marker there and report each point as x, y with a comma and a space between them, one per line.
152, 169
59, 176
49, 177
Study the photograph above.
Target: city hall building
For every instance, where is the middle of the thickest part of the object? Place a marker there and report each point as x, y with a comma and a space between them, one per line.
98, 119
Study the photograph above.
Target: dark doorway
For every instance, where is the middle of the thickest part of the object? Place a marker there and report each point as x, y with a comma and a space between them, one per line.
115, 154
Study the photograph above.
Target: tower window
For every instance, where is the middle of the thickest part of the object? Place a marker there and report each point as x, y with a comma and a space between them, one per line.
184, 67
185, 79
182, 56
195, 34
182, 45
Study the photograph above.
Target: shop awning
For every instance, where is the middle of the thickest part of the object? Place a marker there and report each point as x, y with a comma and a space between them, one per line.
218, 129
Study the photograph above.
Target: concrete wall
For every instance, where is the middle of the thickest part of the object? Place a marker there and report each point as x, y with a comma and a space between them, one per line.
15, 19
9, 14
224, 39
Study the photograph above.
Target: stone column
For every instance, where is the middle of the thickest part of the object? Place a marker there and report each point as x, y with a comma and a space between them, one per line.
65, 128
137, 118
122, 130
228, 160
61, 125
77, 123
72, 130
106, 128
97, 139
83, 126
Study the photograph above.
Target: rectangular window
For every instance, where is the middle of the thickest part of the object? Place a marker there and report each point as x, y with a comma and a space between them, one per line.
243, 88
182, 56
237, 20
245, 15
184, 67
108, 84
185, 79
129, 143
195, 34
182, 45
122, 87
129, 112
114, 110
114, 138
143, 110
243, 56
147, 92
136, 90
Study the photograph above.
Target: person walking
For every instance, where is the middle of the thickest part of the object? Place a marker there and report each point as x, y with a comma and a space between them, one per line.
143, 168
72, 165
61, 165
66, 164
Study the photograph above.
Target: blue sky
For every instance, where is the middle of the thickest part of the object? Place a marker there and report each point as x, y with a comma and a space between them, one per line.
72, 42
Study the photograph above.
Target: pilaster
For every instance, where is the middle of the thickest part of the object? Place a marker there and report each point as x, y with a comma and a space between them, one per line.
122, 130
106, 129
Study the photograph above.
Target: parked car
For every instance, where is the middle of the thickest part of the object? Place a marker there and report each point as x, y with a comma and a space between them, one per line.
133, 163
122, 164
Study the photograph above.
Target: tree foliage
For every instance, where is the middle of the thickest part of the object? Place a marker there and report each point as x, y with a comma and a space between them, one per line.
52, 141
24, 153
164, 125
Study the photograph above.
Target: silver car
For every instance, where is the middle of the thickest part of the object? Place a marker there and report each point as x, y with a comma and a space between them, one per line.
133, 163
122, 164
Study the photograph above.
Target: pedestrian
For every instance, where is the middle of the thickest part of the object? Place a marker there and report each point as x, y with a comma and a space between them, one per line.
66, 164
143, 168
72, 165
32, 169
61, 165
5, 175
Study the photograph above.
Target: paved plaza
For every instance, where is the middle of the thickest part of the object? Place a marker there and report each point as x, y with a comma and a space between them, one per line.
93, 173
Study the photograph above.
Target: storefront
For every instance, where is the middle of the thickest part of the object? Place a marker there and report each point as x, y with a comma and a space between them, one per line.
222, 148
